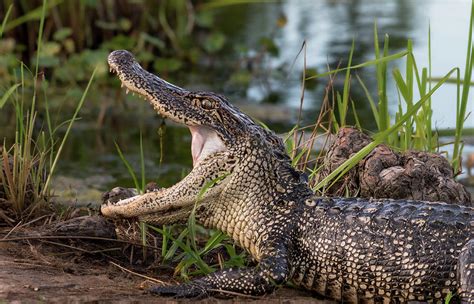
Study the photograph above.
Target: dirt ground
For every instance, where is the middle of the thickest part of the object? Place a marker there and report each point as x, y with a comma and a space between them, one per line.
31, 272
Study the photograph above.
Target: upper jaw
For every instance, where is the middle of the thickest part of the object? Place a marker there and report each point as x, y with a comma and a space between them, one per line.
205, 140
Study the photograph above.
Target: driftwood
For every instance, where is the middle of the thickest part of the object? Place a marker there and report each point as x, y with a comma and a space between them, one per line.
385, 173
93, 226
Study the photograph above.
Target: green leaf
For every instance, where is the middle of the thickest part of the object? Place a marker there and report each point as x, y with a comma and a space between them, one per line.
62, 34
167, 64
66, 134
192, 254
125, 24
205, 19
214, 42
402, 87
356, 118
50, 49
48, 61
7, 94
153, 40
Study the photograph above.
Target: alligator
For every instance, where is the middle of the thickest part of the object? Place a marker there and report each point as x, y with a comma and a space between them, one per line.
346, 249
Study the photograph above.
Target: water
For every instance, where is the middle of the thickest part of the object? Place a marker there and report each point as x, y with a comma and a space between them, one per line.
328, 28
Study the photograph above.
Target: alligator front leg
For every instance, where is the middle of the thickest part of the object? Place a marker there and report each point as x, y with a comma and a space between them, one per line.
270, 273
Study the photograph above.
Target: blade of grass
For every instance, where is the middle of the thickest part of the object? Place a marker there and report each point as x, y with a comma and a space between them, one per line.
143, 231
381, 69
356, 117
214, 242
61, 146
371, 101
7, 94
4, 22
192, 217
38, 51
174, 246
222, 3
462, 103
378, 139
344, 106
198, 261
128, 166
361, 65
142, 163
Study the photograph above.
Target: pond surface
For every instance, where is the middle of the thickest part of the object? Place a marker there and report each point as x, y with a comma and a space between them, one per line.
91, 161
328, 28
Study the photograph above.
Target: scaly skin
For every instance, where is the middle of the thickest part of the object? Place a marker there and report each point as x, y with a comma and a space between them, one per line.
345, 249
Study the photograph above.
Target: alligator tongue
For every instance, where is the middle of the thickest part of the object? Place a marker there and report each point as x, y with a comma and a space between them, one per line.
204, 142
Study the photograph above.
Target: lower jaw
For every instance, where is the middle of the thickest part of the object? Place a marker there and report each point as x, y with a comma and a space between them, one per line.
169, 217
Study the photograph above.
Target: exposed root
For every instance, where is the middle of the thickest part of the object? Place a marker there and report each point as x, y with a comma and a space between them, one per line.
388, 174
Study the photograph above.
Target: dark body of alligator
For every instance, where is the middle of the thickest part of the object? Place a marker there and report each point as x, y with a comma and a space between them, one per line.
350, 250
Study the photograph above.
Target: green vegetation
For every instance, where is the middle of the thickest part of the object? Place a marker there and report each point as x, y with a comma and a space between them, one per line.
81, 33
169, 37
448, 298
27, 166
412, 126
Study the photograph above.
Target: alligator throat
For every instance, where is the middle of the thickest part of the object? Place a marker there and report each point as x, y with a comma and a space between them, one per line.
205, 141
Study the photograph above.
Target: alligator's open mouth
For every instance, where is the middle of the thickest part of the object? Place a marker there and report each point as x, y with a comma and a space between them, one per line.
205, 140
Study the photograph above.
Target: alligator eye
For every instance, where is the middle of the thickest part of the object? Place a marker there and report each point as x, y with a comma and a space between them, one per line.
207, 104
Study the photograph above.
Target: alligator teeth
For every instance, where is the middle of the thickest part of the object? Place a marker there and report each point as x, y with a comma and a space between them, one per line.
126, 91
110, 70
121, 84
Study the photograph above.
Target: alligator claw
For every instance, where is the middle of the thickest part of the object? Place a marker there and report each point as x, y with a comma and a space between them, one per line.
180, 291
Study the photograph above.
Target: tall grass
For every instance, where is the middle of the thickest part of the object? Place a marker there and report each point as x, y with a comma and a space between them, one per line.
27, 166
461, 101
411, 126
